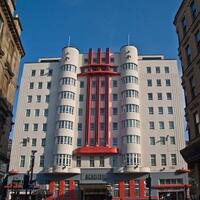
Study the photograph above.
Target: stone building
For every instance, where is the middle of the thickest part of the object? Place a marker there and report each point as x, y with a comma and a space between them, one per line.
187, 22
11, 51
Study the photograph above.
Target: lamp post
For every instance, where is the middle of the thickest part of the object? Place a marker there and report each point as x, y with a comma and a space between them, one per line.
32, 166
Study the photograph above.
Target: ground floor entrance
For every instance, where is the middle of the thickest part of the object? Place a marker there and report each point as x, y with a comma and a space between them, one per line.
95, 197
179, 195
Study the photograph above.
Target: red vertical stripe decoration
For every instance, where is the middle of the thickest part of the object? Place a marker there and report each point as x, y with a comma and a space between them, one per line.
71, 189
90, 61
99, 55
142, 188
98, 111
121, 190
61, 189
51, 189
132, 188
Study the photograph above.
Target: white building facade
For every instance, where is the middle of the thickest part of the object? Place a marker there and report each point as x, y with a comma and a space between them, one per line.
101, 121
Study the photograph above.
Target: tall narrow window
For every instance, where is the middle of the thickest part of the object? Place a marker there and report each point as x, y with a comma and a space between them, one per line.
33, 72
197, 123
153, 159
173, 159
91, 161
192, 86
42, 161
163, 160
188, 54
22, 161
184, 25
101, 161
78, 161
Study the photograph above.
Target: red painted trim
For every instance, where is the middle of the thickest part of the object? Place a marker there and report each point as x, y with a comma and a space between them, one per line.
96, 150
142, 188
90, 56
99, 73
183, 171
132, 188
98, 65
71, 185
171, 186
121, 189
99, 55
107, 105
61, 188
88, 111
107, 56
51, 188
98, 90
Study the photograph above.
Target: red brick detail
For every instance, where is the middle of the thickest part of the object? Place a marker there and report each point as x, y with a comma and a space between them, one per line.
142, 188
132, 188
61, 189
121, 189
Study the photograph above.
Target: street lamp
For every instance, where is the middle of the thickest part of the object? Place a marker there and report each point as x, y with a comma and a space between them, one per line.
32, 165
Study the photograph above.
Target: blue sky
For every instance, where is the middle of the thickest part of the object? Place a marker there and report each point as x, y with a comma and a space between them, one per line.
47, 25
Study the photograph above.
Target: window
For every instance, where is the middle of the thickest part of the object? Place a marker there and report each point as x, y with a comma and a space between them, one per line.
153, 159
33, 72
115, 111
44, 127
184, 25
173, 159
150, 96
93, 97
112, 60
171, 125
172, 140
80, 127
93, 84
81, 84
160, 110
161, 125
102, 126
78, 161
28, 113
115, 126
151, 125
167, 82
91, 161
148, 70
193, 9
166, 70
115, 141
48, 85
102, 142
34, 142
114, 83
102, 111
159, 95
102, 83
42, 72
79, 143
93, 111
115, 97
85, 61
38, 98
46, 112
163, 160
92, 126
150, 110
26, 127
157, 70
197, 38
47, 98
35, 127
22, 161
101, 161
43, 142
29, 99
152, 140
42, 161
24, 142
40, 85
126, 188
196, 123
192, 86
81, 97
158, 81
64, 124
169, 96
31, 86
92, 141
102, 97
149, 82
162, 140
37, 112
188, 54
170, 110
50, 72
67, 95
80, 112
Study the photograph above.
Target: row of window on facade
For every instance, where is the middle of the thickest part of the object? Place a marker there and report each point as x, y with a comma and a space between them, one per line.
23, 161
42, 72
161, 125
38, 99
95, 60
157, 70
35, 127
160, 96
39, 85
158, 82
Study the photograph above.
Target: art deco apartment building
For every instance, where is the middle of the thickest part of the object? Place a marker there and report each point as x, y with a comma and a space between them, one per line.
101, 121
11, 51
187, 22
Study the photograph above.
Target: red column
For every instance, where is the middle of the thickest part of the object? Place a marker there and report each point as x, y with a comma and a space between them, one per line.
97, 111
142, 188
107, 103
132, 189
51, 189
61, 189
90, 56
71, 190
121, 189
88, 111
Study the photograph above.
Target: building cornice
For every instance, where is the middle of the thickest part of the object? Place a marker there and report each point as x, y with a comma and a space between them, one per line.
12, 26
